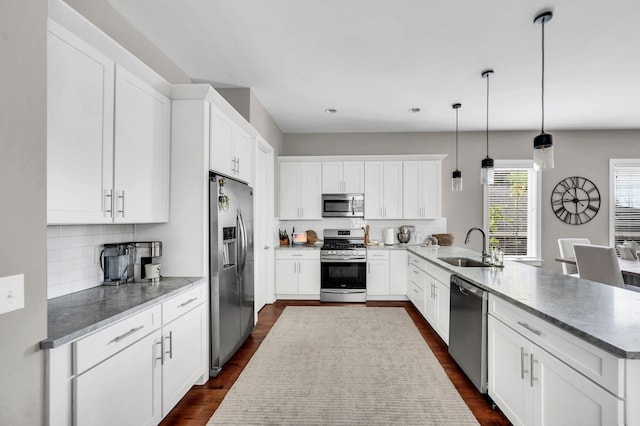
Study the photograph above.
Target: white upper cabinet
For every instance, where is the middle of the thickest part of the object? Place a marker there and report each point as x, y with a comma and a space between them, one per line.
422, 198
80, 99
300, 190
141, 175
342, 177
107, 138
231, 147
383, 190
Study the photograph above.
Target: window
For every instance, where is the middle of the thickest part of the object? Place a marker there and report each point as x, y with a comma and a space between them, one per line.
512, 206
624, 210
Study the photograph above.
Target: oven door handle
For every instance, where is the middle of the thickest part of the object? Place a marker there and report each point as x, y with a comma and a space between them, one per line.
344, 259
336, 291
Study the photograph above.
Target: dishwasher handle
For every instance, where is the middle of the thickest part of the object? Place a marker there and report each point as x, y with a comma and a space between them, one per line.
467, 288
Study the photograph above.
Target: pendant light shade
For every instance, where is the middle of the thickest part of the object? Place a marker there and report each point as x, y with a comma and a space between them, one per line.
543, 143
486, 172
456, 177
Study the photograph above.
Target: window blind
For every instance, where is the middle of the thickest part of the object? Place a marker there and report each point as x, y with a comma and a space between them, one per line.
508, 201
627, 203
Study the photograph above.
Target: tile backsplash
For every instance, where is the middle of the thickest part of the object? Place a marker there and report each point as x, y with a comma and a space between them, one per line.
423, 228
73, 255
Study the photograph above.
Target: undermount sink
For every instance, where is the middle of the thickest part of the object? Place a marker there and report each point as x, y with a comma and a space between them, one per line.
464, 262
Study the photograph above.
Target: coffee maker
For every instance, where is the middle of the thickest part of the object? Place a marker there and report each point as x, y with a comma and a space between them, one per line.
147, 253
117, 263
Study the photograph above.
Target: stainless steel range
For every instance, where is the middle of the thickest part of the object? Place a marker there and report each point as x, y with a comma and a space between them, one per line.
343, 266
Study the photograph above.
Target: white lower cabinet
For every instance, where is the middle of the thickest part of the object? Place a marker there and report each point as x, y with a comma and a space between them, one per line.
297, 273
432, 283
122, 389
377, 273
132, 372
398, 272
533, 387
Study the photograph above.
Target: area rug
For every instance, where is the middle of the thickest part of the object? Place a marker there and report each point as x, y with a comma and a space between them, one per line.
351, 365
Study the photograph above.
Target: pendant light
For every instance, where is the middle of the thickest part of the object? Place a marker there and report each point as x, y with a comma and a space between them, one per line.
486, 172
456, 178
543, 143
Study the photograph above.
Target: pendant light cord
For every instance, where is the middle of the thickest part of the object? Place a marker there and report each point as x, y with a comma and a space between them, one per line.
488, 115
456, 138
542, 76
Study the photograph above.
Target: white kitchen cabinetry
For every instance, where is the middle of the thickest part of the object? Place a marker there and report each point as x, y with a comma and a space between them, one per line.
230, 147
183, 327
297, 273
377, 273
531, 386
131, 372
107, 138
300, 190
422, 197
433, 283
141, 166
80, 99
398, 272
386, 274
383, 189
342, 177
123, 389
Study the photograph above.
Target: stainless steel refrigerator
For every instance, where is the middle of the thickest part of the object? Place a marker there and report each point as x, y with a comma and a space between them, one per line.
231, 267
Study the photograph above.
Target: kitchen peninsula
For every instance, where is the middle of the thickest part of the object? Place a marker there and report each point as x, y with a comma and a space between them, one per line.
581, 339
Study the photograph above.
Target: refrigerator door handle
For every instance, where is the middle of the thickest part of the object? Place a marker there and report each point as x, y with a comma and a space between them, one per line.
243, 242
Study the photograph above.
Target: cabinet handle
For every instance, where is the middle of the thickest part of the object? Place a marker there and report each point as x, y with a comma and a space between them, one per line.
531, 360
238, 165
170, 351
233, 164
187, 302
385, 212
127, 334
301, 211
109, 206
531, 329
295, 267
522, 356
122, 198
299, 267
159, 358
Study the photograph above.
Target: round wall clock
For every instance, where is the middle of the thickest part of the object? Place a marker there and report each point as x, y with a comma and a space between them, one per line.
575, 200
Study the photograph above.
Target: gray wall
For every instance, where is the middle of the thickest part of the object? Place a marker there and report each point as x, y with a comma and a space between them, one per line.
23, 213
245, 101
110, 21
581, 153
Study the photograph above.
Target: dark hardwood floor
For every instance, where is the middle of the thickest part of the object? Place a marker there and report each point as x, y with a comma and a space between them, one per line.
200, 402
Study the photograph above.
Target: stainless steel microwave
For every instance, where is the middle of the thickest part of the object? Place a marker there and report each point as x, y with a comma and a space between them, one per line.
342, 205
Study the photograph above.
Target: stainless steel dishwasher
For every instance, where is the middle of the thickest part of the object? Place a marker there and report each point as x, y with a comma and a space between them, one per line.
468, 330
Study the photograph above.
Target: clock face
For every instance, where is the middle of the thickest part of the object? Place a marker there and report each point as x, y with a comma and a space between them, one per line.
575, 200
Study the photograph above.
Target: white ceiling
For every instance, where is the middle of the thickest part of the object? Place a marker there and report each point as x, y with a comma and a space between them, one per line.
372, 60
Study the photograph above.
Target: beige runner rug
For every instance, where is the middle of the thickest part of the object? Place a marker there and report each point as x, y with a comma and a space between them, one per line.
350, 365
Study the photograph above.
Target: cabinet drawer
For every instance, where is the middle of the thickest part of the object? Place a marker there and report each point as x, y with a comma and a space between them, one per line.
378, 254
293, 254
417, 297
417, 277
100, 345
598, 365
438, 273
418, 262
182, 303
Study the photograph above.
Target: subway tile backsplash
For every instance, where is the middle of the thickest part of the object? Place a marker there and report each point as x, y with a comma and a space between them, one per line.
73, 255
423, 228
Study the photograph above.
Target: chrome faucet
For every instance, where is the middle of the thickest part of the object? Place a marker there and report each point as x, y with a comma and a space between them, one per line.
485, 256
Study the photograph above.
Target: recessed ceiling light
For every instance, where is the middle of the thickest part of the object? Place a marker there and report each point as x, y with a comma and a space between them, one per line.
414, 110
330, 110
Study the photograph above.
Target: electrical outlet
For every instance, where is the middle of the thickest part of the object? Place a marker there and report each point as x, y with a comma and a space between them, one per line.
11, 293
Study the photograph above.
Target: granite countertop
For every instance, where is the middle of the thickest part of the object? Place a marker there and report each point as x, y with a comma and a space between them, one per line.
397, 246
77, 314
605, 316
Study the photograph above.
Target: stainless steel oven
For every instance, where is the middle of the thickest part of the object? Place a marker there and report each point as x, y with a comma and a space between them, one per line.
343, 266
342, 205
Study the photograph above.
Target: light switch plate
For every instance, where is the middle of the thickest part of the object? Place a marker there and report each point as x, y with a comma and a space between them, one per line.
11, 293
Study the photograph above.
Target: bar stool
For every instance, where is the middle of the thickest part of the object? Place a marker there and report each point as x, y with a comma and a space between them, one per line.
566, 251
598, 263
